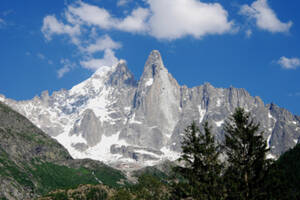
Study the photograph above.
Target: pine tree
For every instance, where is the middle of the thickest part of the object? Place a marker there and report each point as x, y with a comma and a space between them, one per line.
202, 169
246, 150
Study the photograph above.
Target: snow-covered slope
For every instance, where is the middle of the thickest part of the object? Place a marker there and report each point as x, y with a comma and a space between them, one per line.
115, 119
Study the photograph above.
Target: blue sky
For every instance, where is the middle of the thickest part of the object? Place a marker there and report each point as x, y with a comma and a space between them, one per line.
55, 44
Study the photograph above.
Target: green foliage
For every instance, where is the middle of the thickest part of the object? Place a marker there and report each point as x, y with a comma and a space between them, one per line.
51, 177
9, 169
58, 196
202, 170
152, 171
149, 187
109, 176
246, 155
122, 194
96, 194
283, 180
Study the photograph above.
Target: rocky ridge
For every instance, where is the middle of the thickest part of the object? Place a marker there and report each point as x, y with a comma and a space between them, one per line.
114, 118
33, 164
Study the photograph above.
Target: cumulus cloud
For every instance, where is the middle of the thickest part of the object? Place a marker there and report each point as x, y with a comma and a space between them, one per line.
162, 19
91, 15
177, 18
102, 44
67, 66
52, 26
136, 22
289, 63
109, 59
83, 13
265, 17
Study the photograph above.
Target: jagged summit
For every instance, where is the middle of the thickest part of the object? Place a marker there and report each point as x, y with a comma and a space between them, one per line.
113, 118
121, 75
154, 66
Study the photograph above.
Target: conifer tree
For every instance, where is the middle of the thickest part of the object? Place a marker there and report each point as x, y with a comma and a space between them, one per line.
246, 150
202, 168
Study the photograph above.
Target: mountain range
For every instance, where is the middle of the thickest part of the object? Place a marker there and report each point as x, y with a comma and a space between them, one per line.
114, 118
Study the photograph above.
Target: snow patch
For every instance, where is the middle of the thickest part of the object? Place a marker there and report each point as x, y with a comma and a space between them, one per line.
133, 121
296, 141
127, 109
201, 113
270, 129
218, 102
271, 117
219, 123
271, 156
169, 154
149, 82
67, 141
2, 98
102, 150
146, 152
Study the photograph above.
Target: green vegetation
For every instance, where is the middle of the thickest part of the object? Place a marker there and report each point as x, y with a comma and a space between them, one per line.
58, 196
9, 169
109, 176
283, 181
245, 174
51, 177
202, 168
246, 151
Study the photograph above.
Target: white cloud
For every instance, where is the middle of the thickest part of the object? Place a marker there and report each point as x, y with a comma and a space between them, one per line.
177, 18
52, 26
265, 17
90, 15
162, 19
102, 44
108, 59
123, 2
67, 66
289, 63
136, 22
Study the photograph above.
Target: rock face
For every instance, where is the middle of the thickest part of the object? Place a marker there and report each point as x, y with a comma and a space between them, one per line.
20, 143
110, 116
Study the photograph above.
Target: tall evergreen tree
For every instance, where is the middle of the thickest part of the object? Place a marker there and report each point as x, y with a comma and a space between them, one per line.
246, 150
202, 169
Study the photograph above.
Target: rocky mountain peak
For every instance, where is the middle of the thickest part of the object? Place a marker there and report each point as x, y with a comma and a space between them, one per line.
112, 108
121, 75
154, 65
